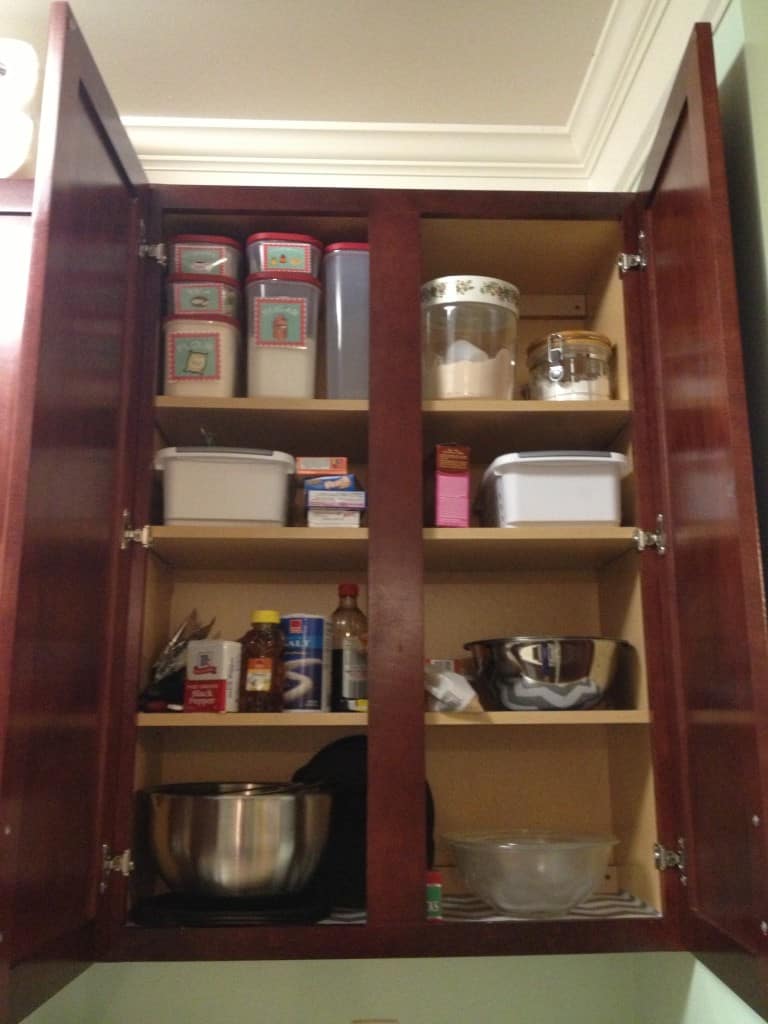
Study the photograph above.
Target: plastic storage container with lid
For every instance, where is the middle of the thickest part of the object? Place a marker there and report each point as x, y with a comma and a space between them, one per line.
225, 486
282, 316
206, 254
200, 293
273, 250
521, 488
202, 355
346, 290
469, 329
570, 365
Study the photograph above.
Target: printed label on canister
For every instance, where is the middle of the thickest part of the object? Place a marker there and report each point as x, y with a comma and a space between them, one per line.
295, 256
307, 658
280, 322
193, 356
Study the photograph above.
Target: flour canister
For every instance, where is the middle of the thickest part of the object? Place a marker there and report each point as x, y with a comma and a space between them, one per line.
307, 657
282, 319
469, 330
201, 355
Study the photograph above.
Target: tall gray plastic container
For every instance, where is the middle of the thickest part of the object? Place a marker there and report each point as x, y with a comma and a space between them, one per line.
347, 311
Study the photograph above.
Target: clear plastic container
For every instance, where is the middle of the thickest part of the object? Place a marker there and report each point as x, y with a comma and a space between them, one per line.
346, 284
273, 250
202, 355
469, 330
282, 315
570, 365
199, 293
206, 254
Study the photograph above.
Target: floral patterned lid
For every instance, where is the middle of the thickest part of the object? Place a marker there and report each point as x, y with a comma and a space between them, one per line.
470, 288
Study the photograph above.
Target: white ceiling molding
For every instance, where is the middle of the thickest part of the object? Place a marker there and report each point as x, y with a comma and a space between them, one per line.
601, 148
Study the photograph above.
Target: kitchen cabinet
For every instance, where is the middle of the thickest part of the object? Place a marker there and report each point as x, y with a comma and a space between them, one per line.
98, 582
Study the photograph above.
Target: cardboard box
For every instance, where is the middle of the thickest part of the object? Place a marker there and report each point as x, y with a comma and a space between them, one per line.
335, 499
213, 675
333, 517
320, 465
447, 486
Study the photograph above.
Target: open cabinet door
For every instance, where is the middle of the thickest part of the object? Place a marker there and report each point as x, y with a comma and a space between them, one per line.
62, 572
716, 652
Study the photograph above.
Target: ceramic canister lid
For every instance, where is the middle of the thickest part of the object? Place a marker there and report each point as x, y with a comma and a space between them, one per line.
470, 288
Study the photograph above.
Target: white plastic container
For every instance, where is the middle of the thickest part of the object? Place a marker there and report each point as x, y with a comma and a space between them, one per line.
206, 254
468, 334
282, 315
274, 250
199, 293
202, 355
524, 488
346, 290
225, 486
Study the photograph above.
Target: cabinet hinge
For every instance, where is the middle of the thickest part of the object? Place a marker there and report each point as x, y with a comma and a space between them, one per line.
156, 252
665, 859
119, 863
142, 536
151, 251
633, 260
652, 539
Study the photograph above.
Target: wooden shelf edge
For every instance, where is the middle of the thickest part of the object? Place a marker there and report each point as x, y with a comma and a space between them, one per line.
357, 720
281, 720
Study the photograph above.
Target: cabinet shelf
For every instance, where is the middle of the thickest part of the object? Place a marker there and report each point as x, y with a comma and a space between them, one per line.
494, 549
317, 426
294, 548
472, 549
356, 720
491, 428
303, 426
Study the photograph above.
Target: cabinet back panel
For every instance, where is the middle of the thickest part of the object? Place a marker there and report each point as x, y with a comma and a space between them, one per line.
457, 611
255, 755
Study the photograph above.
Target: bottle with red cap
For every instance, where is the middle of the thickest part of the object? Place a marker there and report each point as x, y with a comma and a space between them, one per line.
349, 653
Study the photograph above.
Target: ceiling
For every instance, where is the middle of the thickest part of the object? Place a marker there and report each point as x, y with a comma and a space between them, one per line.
503, 93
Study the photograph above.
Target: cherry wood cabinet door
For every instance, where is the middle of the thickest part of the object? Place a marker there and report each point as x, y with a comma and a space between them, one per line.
68, 474
715, 654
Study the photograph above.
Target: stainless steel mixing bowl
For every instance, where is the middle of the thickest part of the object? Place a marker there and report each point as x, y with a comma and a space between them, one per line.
531, 873
238, 839
546, 673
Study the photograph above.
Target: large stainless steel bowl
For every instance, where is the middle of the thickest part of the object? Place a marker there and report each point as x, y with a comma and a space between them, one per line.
546, 673
531, 873
238, 839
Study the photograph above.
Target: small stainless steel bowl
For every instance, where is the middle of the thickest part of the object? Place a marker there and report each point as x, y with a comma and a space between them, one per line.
546, 673
531, 873
238, 839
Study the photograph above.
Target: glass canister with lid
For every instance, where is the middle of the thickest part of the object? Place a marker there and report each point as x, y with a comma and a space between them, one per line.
468, 330
570, 365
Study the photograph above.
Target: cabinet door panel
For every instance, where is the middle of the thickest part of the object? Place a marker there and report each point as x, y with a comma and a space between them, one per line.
62, 566
717, 639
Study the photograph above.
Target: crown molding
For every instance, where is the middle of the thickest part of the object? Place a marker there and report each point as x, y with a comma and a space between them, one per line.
601, 148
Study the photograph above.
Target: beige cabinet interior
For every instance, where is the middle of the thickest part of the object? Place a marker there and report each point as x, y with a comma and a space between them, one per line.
579, 770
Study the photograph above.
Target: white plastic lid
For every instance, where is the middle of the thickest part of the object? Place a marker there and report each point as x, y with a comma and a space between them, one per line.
208, 453
514, 461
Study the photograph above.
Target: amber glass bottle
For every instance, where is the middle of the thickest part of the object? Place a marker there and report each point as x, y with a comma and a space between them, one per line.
263, 671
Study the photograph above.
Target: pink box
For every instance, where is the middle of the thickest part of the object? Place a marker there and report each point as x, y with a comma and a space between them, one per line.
449, 490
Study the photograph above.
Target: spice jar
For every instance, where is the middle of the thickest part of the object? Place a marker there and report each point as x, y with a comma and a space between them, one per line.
568, 365
262, 672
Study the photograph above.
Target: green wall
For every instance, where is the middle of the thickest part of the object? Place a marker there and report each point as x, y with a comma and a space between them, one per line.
652, 988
